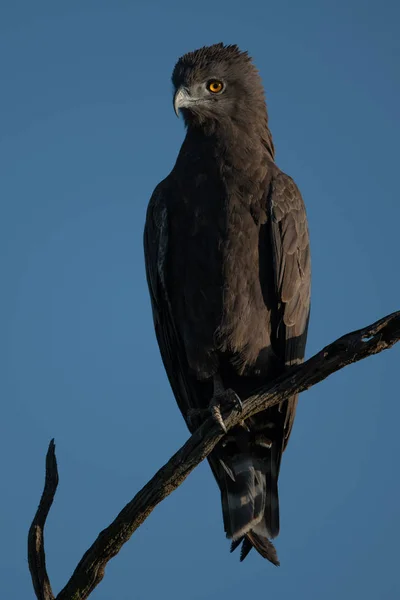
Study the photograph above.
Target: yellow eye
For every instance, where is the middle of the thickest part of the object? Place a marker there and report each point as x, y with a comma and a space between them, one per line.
215, 86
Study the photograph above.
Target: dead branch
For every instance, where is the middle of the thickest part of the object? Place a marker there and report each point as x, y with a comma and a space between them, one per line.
348, 349
36, 555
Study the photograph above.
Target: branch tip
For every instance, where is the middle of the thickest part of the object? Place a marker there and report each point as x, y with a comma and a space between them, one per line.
36, 552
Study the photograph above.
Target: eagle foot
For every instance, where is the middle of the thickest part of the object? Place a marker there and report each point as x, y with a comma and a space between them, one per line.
195, 416
224, 399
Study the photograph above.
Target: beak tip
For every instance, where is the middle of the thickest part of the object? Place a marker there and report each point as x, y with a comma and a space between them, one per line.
180, 99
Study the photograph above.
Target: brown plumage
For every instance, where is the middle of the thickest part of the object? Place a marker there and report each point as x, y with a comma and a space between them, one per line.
228, 267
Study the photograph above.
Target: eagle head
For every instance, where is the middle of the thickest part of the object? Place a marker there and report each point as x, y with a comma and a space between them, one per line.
217, 83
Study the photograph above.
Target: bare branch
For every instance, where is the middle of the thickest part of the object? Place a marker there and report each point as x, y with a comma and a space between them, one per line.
348, 349
36, 554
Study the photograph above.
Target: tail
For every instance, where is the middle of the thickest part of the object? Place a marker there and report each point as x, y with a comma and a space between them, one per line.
262, 544
250, 502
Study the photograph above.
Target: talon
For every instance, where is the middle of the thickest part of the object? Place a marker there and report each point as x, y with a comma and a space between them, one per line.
215, 411
234, 398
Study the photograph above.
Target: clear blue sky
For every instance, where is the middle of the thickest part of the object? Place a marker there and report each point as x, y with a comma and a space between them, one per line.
87, 131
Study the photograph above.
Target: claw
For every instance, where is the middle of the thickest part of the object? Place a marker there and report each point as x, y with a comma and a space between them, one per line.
215, 410
232, 396
195, 416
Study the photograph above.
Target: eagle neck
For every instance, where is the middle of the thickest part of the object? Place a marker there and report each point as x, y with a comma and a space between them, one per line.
242, 150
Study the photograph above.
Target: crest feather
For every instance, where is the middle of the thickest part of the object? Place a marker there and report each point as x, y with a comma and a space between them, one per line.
207, 55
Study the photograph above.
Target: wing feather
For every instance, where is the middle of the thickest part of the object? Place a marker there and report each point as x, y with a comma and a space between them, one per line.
292, 274
156, 252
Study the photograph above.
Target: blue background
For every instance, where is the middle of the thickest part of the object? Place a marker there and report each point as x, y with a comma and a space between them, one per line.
87, 131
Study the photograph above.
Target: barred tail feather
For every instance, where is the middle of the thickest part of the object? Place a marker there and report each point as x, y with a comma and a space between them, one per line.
250, 504
243, 499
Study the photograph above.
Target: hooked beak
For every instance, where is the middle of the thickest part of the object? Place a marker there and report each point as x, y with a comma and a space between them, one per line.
182, 98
